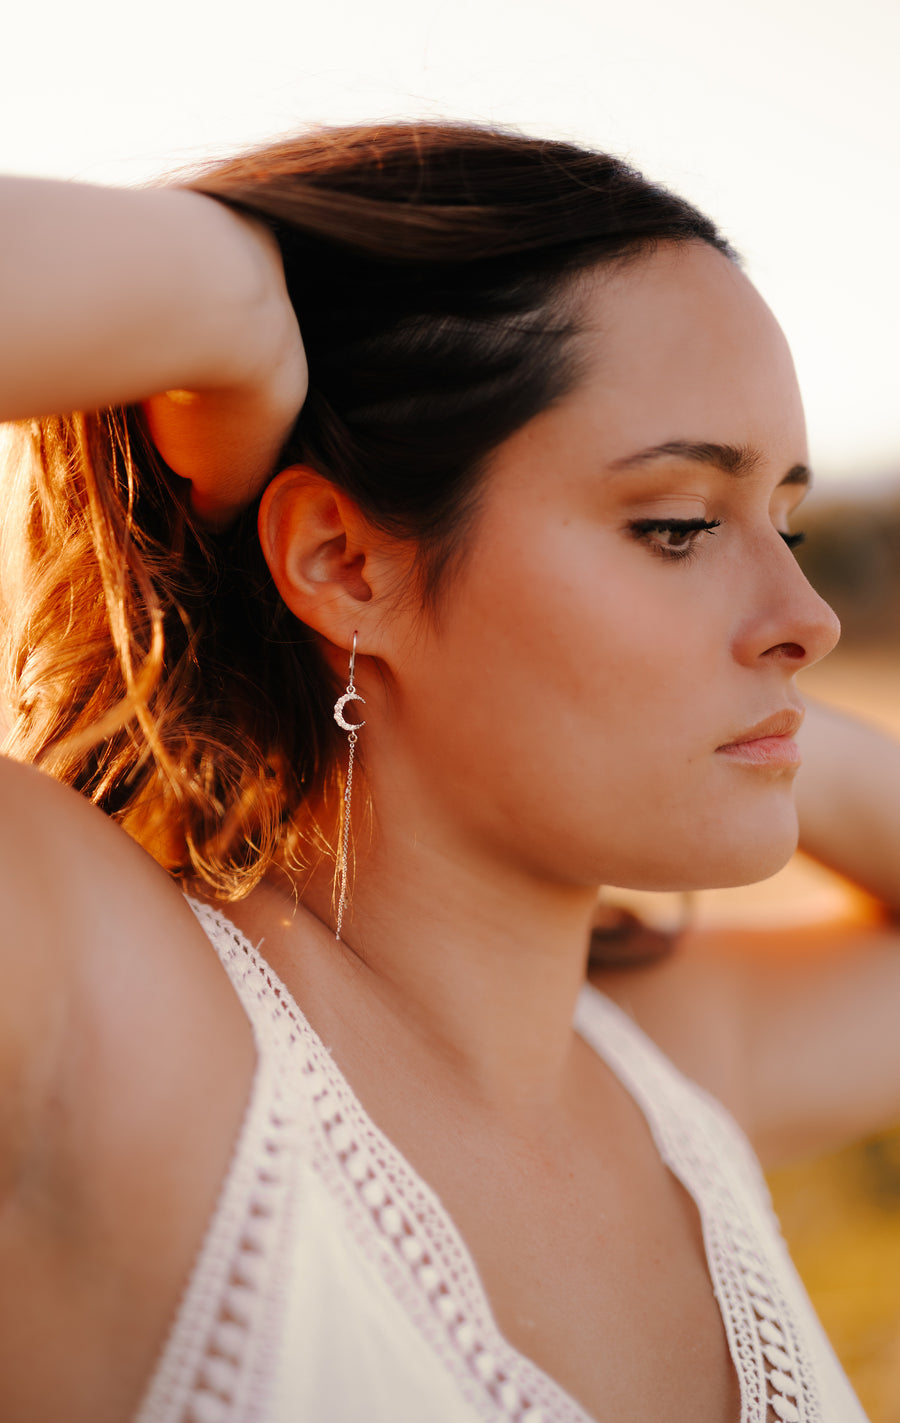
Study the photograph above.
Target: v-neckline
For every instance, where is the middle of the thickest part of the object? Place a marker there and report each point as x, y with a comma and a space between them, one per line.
402, 1224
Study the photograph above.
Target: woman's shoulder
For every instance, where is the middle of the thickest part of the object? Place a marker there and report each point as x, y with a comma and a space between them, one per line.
125, 1067
93, 928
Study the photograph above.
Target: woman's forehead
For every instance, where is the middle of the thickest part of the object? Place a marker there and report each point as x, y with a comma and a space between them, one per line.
677, 353
679, 346
676, 298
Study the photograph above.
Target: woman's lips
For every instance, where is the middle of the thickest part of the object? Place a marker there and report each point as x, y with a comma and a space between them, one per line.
764, 751
769, 743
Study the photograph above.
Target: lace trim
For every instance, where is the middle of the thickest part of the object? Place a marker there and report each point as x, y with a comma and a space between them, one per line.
401, 1226
744, 1249
218, 1361
399, 1223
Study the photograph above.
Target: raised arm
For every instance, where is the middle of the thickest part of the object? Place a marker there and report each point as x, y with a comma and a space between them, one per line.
159, 295
114, 1016
848, 796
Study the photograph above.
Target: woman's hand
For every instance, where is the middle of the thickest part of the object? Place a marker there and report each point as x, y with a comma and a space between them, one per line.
158, 296
226, 440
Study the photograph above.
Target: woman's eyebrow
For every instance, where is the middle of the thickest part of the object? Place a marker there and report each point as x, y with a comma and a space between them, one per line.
738, 460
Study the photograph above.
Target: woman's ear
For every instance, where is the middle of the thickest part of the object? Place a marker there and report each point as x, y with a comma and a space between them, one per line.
326, 560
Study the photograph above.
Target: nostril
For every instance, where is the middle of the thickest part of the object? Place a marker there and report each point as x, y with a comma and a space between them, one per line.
791, 650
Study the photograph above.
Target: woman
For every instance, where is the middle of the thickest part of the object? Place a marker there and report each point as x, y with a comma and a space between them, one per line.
508, 612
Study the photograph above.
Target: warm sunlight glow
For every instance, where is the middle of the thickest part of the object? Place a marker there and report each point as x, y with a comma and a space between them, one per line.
783, 119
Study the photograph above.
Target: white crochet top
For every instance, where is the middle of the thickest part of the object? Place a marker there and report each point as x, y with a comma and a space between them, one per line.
333, 1287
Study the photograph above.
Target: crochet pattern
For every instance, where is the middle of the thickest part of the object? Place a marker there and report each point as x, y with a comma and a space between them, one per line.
221, 1356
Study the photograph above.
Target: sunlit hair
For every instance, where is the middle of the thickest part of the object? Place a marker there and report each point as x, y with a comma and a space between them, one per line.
151, 663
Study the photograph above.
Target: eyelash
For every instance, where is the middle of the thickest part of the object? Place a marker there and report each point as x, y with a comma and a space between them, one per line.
642, 528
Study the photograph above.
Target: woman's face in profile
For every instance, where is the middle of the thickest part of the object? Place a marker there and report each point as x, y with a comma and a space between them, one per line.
592, 703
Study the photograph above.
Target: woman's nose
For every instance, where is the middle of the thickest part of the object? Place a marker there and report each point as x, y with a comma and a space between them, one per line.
790, 622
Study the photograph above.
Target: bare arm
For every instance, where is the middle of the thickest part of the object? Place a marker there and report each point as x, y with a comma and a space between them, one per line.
112, 296
112, 1001
125, 1067
848, 798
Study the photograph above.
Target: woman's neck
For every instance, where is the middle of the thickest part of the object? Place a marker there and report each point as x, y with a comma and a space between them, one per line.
472, 974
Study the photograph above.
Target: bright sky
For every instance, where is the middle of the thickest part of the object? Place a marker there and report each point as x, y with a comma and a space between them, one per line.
779, 117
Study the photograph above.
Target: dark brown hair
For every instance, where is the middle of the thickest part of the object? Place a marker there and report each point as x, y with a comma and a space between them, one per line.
152, 664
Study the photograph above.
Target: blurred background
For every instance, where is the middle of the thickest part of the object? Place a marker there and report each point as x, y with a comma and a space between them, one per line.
781, 118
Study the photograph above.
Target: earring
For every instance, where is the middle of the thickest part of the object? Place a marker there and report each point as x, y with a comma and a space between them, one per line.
352, 727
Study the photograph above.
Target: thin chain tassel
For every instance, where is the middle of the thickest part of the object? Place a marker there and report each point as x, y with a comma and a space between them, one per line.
351, 727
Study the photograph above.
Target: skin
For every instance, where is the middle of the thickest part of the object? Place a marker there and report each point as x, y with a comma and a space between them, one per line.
154, 295
465, 940
449, 1004
522, 701
585, 677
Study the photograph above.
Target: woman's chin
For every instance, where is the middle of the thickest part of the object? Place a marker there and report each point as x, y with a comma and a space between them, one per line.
733, 857
748, 864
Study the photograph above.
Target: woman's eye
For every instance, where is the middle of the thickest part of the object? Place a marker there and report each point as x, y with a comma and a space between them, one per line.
673, 538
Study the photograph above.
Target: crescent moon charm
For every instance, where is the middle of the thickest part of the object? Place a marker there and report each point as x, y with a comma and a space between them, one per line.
339, 711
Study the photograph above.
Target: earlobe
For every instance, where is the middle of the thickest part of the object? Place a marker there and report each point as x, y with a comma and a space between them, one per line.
313, 539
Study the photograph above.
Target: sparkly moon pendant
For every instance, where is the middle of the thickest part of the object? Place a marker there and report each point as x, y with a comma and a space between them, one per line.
339, 711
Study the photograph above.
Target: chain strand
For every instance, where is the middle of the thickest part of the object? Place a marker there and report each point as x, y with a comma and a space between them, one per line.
345, 837
350, 695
